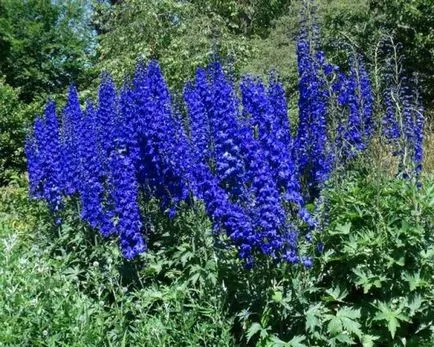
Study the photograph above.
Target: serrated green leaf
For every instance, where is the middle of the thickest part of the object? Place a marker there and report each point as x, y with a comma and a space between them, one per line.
296, 341
253, 330
345, 338
334, 326
368, 340
335, 294
368, 280
352, 326
392, 325
413, 280
312, 321
348, 312
392, 317
342, 229
415, 304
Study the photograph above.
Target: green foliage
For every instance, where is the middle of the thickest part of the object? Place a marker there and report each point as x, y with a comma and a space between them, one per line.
364, 23
385, 259
11, 132
66, 285
411, 23
276, 51
181, 35
372, 285
44, 45
249, 17
13, 116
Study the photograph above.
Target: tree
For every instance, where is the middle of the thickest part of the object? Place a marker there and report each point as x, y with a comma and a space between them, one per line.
44, 45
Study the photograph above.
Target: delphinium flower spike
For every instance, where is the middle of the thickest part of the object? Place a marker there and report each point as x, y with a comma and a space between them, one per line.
71, 117
52, 191
91, 178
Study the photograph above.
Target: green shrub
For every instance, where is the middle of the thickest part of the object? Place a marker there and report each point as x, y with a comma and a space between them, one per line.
11, 131
66, 285
374, 283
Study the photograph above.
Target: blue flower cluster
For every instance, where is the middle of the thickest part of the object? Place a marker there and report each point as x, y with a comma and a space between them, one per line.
403, 127
356, 103
230, 146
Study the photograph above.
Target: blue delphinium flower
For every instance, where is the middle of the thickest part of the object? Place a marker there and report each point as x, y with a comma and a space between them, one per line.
268, 116
91, 178
264, 204
366, 100
71, 117
126, 125
197, 99
145, 111
277, 99
50, 147
106, 134
390, 122
126, 209
34, 167
169, 142
162, 168
311, 148
106, 115
226, 215
229, 165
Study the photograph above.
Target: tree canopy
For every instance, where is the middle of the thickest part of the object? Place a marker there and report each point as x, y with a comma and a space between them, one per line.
44, 45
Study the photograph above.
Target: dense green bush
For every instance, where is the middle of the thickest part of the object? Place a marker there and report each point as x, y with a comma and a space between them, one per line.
65, 285
383, 255
364, 24
44, 45
181, 35
371, 285
13, 117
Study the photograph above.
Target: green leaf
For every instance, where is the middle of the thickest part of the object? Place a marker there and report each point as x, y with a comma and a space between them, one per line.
391, 316
413, 280
277, 296
335, 326
348, 312
415, 304
344, 338
253, 330
296, 341
348, 317
368, 280
368, 340
312, 317
342, 229
392, 324
335, 294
